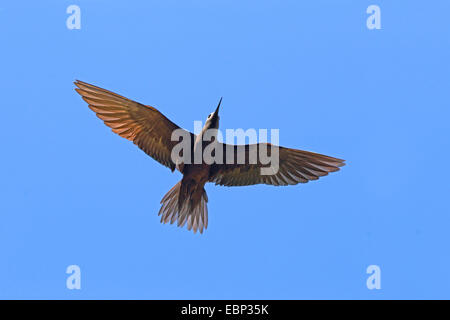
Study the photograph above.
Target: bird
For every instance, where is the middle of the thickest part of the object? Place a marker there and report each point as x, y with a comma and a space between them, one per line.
186, 202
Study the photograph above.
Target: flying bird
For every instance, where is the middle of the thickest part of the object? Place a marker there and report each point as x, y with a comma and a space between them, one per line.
186, 202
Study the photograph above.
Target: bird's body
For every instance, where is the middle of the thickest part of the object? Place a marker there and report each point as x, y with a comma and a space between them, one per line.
233, 165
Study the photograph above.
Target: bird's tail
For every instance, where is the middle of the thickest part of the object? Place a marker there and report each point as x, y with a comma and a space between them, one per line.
184, 204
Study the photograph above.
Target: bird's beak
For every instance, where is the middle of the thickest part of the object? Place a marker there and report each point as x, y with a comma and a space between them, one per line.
216, 113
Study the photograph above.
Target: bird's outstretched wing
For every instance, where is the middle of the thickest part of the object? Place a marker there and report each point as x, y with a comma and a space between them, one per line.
295, 166
148, 128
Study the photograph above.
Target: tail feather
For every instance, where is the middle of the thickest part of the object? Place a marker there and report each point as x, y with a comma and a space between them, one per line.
184, 210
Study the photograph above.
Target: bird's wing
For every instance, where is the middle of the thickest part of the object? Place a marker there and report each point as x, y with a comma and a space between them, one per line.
148, 128
295, 166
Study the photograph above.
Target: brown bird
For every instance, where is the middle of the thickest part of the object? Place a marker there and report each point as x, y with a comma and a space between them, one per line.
234, 165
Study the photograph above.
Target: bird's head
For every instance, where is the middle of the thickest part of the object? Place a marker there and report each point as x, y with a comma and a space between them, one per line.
212, 122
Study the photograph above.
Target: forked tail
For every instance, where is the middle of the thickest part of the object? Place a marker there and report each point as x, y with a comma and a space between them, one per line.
185, 208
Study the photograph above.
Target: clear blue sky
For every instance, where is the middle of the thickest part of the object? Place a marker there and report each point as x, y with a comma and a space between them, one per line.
72, 192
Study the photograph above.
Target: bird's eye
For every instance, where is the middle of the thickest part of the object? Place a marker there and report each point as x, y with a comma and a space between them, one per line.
209, 116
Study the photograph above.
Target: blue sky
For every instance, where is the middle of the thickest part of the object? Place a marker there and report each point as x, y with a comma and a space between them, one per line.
73, 192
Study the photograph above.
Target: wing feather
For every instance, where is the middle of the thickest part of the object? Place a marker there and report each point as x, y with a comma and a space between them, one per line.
148, 128
295, 166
